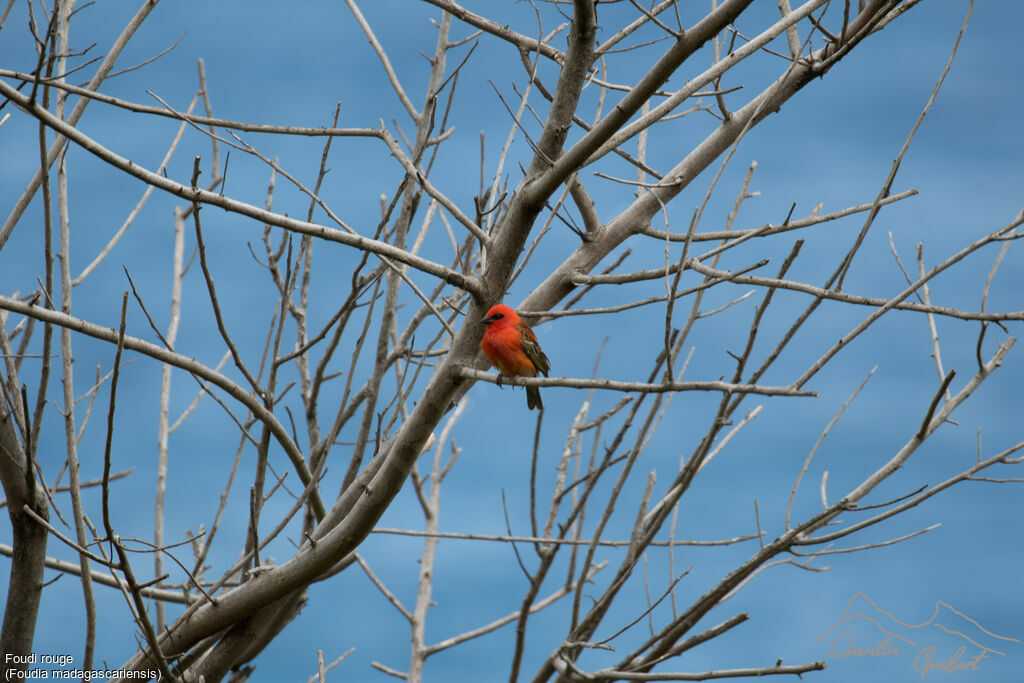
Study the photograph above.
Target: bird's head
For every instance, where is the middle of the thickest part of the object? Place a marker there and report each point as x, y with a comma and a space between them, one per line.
501, 316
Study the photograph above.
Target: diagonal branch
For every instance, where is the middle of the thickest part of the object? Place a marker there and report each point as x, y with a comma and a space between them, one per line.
249, 400
691, 41
206, 197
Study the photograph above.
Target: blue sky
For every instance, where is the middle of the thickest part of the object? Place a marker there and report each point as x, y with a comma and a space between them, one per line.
832, 143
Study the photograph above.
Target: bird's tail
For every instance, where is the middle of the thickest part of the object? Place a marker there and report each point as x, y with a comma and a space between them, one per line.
533, 398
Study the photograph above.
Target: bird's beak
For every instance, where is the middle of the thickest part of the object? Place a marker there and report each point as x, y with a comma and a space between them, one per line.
488, 320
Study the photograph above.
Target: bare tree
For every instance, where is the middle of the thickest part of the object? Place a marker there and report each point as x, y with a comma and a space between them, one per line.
334, 412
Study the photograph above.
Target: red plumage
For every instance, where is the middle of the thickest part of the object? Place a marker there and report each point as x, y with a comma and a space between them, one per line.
512, 348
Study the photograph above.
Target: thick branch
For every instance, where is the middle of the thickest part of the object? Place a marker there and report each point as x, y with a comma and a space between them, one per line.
688, 43
25, 587
638, 215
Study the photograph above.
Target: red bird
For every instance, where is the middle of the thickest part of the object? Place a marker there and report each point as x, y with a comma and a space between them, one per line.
512, 348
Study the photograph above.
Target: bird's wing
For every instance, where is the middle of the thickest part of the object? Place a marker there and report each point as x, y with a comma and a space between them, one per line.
528, 342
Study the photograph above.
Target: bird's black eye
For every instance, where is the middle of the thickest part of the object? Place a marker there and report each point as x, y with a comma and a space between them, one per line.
498, 316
